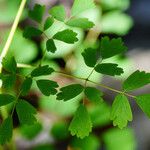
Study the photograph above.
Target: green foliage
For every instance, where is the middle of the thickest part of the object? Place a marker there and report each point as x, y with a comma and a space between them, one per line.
143, 102
48, 23
26, 85
110, 48
47, 87
90, 56
121, 112
136, 80
42, 71
81, 5
31, 32
6, 129
58, 12
37, 13
83, 23
67, 36
69, 92
26, 112
9, 64
93, 95
50, 46
81, 124
6, 99
109, 69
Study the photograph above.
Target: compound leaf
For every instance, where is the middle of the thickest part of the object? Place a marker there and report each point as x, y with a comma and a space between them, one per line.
68, 92
109, 48
81, 124
136, 80
67, 36
26, 86
93, 95
9, 64
6, 130
121, 112
144, 102
6, 99
26, 112
90, 57
47, 87
37, 13
50, 46
48, 23
83, 23
81, 5
30, 32
58, 12
42, 71
109, 69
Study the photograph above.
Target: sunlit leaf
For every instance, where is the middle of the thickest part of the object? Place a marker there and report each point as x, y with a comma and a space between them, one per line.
121, 112
81, 124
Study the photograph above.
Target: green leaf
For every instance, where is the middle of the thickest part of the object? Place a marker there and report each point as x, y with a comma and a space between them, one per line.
109, 48
136, 80
26, 112
67, 36
37, 13
58, 12
68, 92
6, 99
9, 64
90, 57
47, 87
121, 112
6, 130
83, 23
81, 5
48, 23
109, 69
81, 124
26, 86
144, 102
50, 46
30, 32
42, 71
93, 95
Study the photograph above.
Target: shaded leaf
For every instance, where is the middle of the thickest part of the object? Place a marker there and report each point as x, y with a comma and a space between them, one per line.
47, 87
26, 85
6, 99
121, 112
6, 130
9, 64
90, 56
37, 13
83, 23
48, 23
67, 36
30, 32
109, 69
26, 112
81, 124
93, 95
144, 102
81, 5
58, 12
42, 71
136, 80
109, 48
50, 46
68, 92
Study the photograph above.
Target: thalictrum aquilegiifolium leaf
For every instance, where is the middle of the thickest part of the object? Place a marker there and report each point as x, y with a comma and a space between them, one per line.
50, 46
6, 99
81, 124
48, 23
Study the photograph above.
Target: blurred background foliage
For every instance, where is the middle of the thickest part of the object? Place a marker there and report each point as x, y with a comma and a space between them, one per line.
51, 133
